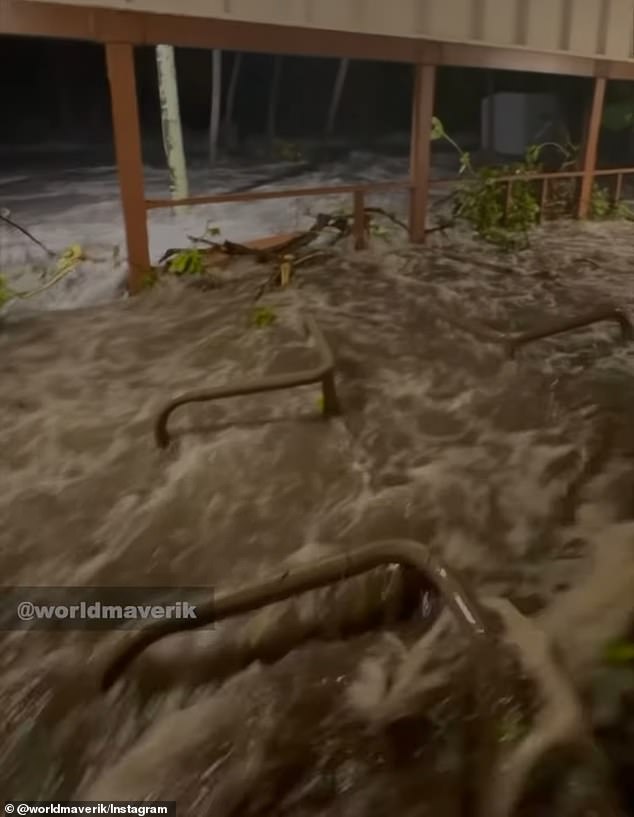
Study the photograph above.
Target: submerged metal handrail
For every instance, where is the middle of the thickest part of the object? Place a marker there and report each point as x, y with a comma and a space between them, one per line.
322, 373
513, 341
486, 766
558, 327
297, 580
293, 581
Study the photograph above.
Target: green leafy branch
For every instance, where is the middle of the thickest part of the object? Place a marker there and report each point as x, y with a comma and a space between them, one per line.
481, 199
65, 264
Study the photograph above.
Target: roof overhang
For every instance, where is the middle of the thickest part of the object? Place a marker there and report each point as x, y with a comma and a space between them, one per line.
18, 17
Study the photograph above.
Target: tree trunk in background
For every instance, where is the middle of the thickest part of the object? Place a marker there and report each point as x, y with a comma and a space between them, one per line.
335, 100
171, 121
273, 99
216, 101
228, 126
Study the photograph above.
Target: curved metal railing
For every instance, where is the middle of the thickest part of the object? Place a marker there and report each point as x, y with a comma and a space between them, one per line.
485, 766
295, 581
558, 327
322, 373
513, 341
467, 610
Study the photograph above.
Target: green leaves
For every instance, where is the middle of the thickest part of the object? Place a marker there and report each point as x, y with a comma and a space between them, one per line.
149, 280
600, 203
263, 316
64, 264
532, 154
5, 292
379, 231
619, 652
69, 258
186, 262
465, 162
437, 129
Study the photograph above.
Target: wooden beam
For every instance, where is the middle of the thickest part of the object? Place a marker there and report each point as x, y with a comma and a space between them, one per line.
589, 159
127, 139
515, 59
144, 28
420, 148
150, 28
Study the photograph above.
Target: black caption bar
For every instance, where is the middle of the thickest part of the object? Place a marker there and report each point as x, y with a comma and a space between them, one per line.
139, 808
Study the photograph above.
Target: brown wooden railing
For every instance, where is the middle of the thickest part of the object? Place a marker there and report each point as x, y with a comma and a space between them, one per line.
361, 191
545, 178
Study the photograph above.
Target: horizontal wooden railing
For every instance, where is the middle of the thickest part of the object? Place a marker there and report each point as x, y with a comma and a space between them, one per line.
360, 191
618, 173
298, 192
357, 191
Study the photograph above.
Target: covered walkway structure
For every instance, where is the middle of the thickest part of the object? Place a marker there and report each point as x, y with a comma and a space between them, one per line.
589, 38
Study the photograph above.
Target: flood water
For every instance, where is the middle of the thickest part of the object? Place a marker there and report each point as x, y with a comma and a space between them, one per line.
516, 473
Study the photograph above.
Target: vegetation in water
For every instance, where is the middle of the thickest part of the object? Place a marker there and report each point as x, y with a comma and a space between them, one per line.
186, 262
618, 653
481, 199
5, 292
64, 264
511, 727
150, 279
263, 316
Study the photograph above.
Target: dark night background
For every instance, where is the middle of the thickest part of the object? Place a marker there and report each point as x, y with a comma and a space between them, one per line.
57, 91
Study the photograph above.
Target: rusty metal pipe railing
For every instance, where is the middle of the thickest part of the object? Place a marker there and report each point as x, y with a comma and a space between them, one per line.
512, 342
614, 314
485, 764
297, 580
322, 373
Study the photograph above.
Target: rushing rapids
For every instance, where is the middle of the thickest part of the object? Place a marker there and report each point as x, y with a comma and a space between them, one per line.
515, 473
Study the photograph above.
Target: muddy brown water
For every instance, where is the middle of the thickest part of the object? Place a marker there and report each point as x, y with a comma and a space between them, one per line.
517, 473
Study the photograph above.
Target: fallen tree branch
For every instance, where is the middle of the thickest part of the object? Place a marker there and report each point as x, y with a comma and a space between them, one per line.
54, 280
24, 231
389, 216
273, 253
438, 228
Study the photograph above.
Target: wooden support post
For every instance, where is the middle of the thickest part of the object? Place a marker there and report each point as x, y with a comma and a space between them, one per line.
618, 190
508, 200
589, 159
358, 223
420, 148
127, 140
543, 201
